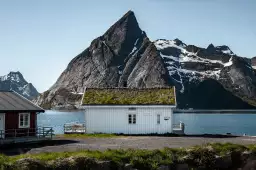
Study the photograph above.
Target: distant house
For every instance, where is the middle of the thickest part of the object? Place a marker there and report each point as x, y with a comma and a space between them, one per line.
18, 116
129, 111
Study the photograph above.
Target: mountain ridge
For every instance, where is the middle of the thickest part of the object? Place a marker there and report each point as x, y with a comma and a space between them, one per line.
125, 57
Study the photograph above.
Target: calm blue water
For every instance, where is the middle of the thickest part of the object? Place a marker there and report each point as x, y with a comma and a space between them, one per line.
194, 123
218, 123
58, 119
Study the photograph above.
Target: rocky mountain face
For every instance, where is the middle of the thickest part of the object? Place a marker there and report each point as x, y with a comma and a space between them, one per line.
253, 62
125, 57
16, 82
196, 71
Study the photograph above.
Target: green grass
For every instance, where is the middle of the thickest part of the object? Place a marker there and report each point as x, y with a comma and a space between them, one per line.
228, 147
139, 158
143, 159
98, 135
105, 135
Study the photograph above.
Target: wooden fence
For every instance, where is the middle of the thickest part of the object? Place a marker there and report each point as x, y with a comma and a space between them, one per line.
23, 135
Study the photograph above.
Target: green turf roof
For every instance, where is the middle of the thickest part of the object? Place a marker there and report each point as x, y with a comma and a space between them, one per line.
129, 96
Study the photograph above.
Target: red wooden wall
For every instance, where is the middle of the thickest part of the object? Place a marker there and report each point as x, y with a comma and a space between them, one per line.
12, 122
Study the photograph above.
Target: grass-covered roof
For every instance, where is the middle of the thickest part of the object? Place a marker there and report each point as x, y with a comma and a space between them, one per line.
129, 96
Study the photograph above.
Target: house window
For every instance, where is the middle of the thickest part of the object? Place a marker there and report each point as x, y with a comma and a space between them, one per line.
132, 118
158, 119
24, 120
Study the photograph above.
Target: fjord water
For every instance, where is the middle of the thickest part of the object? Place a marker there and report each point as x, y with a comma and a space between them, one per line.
57, 119
237, 124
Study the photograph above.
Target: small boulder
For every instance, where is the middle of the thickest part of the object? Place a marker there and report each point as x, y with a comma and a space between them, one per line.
250, 164
128, 167
245, 157
63, 164
29, 164
163, 167
182, 167
100, 165
223, 162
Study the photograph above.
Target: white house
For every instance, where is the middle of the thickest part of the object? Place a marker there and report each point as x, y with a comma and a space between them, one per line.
129, 111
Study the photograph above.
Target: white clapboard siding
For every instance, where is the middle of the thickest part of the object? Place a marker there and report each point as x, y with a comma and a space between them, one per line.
115, 120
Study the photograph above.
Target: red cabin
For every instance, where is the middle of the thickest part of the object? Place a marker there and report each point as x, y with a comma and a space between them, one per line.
18, 117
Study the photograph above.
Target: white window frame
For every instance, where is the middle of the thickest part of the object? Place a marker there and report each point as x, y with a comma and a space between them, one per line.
24, 125
133, 117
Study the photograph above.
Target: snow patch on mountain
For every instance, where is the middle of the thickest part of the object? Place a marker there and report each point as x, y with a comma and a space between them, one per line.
229, 63
177, 59
12, 77
185, 55
136, 44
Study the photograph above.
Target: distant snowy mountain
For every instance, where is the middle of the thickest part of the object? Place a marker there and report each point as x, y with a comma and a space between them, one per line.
190, 66
16, 82
183, 61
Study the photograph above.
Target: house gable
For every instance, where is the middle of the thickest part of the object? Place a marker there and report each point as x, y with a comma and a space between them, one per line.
11, 101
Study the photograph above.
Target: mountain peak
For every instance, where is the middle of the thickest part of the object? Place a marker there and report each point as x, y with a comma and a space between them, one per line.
130, 13
14, 76
16, 82
224, 49
15, 73
124, 33
210, 46
127, 22
178, 42
219, 49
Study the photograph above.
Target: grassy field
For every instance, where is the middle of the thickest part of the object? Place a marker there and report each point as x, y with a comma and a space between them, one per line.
143, 158
104, 135
87, 135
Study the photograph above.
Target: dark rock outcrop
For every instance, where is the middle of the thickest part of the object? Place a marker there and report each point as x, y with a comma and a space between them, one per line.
203, 97
16, 82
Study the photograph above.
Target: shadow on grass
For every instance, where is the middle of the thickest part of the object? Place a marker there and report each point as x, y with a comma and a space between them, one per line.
22, 148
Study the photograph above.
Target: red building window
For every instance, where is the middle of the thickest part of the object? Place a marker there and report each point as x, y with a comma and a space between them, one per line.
24, 120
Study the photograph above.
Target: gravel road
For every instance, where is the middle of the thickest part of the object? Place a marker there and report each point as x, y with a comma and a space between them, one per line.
135, 143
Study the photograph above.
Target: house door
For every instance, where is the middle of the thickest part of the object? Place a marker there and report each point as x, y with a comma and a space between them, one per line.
2, 125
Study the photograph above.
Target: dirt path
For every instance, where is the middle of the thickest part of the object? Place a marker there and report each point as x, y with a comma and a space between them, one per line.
137, 143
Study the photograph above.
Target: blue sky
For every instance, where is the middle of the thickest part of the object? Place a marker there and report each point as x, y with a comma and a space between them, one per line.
39, 38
